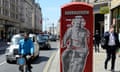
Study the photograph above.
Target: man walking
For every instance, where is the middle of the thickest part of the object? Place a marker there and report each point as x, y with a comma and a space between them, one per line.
97, 41
111, 45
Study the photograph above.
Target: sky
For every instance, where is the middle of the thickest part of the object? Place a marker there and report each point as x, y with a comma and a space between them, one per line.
51, 11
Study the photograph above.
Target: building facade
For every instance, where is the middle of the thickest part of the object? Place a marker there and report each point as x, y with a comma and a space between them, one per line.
38, 18
9, 20
52, 29
26, 15
19, 15
115, 14
101, 21
80, 1
58, 28
32, 16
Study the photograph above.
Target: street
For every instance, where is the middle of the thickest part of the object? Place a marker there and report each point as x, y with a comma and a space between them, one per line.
38, 64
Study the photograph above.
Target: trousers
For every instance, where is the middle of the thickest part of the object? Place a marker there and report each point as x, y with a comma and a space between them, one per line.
110, 54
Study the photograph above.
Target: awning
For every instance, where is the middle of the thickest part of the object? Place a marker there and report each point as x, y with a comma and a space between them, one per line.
115, 3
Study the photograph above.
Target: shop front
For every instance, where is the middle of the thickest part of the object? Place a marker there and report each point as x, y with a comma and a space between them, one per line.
115, 19
115, 14
7, 29
1, 31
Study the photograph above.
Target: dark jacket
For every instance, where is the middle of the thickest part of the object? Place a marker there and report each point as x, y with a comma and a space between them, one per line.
97, 38
106, 36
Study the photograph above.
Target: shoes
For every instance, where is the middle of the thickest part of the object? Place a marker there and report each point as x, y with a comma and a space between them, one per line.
105, 67
29, 70
20, 68
31, 67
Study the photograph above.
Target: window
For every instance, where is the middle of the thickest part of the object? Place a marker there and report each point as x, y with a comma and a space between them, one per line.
0, 2
12, 7
16, 16
119, 12
5, 4
115, 13
0, 10
6, 12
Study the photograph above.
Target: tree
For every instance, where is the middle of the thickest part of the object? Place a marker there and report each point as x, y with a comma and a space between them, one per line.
104, 10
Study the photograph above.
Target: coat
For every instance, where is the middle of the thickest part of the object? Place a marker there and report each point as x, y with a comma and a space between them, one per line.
106, 36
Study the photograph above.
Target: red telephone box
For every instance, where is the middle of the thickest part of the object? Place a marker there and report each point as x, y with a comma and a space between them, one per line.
76, 37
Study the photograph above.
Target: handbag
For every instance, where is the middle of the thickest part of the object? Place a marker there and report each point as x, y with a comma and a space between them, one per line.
103, 43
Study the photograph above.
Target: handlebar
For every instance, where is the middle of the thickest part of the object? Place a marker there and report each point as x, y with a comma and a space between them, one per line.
27, 56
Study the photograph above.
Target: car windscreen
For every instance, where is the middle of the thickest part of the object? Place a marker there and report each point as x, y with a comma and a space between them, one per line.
42, 37
15, 40
52, 36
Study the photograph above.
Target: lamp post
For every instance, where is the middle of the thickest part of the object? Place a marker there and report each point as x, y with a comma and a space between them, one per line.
53, 28
45, 20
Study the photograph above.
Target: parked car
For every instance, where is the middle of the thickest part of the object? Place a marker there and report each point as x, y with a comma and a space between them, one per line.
43, 41
52, 37
12, 50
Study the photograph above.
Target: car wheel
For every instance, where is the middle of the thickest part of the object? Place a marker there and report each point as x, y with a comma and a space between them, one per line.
49, 47
8, 61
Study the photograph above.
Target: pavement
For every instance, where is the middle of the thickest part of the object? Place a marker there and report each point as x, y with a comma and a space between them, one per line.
53, 65
99, 59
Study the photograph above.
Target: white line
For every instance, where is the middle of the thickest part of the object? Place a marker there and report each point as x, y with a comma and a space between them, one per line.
2, 63
47, 66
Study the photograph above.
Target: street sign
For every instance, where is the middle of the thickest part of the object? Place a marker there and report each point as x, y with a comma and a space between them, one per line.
76, 37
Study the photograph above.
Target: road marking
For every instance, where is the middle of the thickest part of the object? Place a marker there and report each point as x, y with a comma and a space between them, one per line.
47, 66
2, 63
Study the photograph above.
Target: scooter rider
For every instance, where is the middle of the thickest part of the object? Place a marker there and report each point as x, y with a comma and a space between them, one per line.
26, 47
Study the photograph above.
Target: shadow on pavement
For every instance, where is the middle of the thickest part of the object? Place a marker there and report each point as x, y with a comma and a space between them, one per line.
36, 60
53, 48
40, 59
114, 71
49, 49
2, 52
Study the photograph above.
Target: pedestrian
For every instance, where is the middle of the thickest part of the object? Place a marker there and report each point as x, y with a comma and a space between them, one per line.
111, 46
97, 41
76, 52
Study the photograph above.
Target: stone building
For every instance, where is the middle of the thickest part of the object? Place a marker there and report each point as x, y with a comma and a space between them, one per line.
9, 17
19, 15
